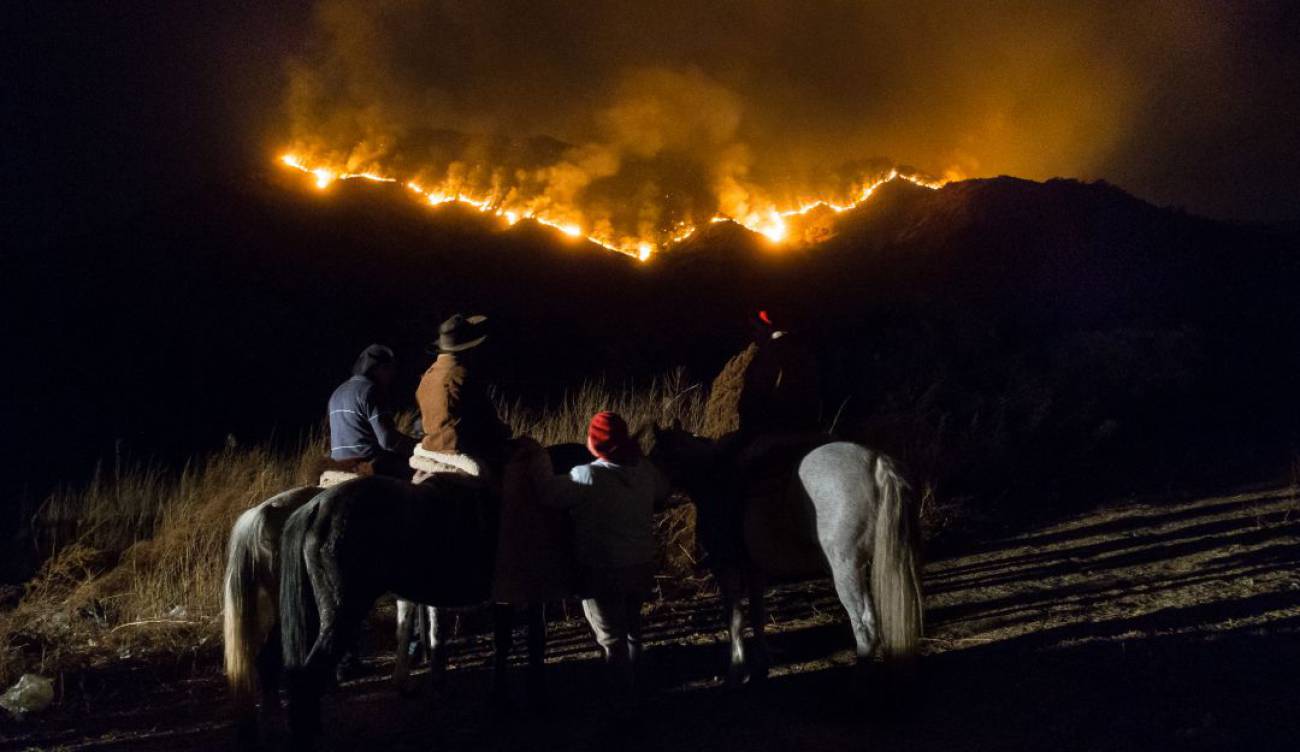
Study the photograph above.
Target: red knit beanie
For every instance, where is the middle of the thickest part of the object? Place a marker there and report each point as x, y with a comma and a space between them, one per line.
607, 438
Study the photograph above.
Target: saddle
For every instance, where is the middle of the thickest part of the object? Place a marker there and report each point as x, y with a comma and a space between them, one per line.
334, 472
756, 476
771, 458
426, 463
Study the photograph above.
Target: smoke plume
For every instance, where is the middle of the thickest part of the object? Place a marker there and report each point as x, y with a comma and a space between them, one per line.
635, 121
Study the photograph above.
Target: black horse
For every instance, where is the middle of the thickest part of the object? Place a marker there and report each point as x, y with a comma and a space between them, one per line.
433, 544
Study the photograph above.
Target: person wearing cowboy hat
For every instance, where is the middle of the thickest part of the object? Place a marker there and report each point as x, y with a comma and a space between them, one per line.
464, 434
458, 415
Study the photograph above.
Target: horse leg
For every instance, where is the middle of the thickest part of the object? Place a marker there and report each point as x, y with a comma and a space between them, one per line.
270, 664
307, 680
852, 586
407, 613
503, 640
306, 684
437, 637
758, 622
422, 644
731, 596
536, 615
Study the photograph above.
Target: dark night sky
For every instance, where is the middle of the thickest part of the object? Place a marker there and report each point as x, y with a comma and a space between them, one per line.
115, 112
112, 106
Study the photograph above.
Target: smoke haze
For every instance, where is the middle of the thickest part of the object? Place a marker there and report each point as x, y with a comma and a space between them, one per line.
639, 118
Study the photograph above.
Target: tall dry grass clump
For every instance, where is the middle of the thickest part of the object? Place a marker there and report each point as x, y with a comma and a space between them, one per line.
138, 554
666, 399
138, 558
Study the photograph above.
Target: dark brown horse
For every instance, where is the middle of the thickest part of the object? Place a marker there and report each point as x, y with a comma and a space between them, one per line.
433, 544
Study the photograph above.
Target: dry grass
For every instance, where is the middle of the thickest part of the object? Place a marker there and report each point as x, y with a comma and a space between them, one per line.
667, 399
138, 553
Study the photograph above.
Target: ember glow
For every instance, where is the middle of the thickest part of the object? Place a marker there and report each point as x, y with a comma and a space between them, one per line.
769, 219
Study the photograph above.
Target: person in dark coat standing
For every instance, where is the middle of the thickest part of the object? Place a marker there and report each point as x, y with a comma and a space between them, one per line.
612, 501
363, 436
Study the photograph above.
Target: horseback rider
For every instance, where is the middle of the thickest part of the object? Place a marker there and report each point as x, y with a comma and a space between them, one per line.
780, 386
363, 437
465, 436
461, 428
771, 388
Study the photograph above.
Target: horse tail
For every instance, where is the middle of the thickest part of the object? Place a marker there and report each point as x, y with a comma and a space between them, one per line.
299, 619
241, 595
895, 575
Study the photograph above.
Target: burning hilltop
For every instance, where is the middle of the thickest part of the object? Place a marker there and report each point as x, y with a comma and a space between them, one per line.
637, 210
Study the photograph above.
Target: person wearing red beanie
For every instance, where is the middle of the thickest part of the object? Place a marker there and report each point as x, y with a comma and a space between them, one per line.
612, 501
608, 439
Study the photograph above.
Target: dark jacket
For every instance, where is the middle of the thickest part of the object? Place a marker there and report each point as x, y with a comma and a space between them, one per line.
457, 414
780, 392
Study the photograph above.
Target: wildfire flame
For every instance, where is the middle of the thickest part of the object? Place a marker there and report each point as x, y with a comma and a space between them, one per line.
769, 221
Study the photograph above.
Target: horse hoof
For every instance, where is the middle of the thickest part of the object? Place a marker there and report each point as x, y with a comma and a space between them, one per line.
407, 689
346, 671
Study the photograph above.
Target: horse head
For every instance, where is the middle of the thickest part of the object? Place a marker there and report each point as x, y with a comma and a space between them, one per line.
680, 454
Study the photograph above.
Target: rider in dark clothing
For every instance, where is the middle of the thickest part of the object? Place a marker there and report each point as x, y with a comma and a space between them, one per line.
778, 406
780, 392
363, 437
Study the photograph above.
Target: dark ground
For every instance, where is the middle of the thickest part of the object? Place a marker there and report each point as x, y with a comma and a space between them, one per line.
1137, 627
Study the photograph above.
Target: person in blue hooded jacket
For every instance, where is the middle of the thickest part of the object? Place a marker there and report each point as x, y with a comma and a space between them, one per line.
363, 436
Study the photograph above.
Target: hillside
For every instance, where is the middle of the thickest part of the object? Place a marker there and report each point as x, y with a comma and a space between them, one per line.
972, 328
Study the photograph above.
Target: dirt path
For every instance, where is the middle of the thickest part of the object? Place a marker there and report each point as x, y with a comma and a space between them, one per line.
1136, 627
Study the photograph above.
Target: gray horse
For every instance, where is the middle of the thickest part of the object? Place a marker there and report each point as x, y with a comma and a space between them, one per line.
251, 595
843, 510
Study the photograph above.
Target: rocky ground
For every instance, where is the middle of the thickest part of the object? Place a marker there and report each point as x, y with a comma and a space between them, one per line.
1138, 626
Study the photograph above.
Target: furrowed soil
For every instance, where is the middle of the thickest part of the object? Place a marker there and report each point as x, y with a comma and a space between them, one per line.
1139, 626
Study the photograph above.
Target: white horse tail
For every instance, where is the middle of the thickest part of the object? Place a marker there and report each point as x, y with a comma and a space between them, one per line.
895, 569
243, 637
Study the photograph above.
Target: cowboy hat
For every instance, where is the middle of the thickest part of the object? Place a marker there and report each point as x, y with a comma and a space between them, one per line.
461, 332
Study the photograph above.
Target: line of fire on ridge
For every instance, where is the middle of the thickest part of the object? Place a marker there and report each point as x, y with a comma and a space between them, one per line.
771, 224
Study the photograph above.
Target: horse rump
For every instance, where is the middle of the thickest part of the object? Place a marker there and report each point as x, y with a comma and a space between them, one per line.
299, 619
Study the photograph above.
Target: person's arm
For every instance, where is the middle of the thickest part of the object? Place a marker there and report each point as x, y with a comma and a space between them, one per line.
381, 422
566, 491
389, 437
480, 415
